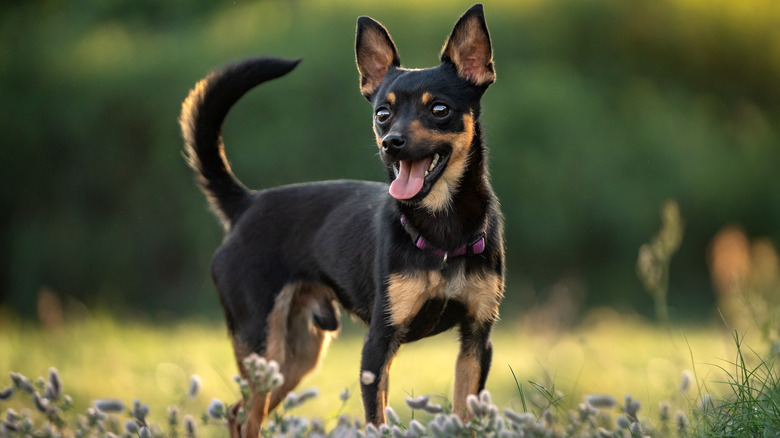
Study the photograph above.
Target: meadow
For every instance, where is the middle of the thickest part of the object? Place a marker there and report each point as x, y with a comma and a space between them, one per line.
534, 370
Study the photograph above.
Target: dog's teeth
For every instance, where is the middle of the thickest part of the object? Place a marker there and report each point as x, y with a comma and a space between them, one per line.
426, 173
434, 162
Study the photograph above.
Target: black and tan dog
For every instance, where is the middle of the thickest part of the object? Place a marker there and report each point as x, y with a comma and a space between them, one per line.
410, 260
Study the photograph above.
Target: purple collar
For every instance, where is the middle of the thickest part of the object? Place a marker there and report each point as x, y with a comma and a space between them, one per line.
477, 246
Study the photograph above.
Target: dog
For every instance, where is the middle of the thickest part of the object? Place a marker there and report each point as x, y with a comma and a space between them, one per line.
410, 259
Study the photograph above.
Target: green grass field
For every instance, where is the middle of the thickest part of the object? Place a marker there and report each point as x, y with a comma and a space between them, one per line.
99, 357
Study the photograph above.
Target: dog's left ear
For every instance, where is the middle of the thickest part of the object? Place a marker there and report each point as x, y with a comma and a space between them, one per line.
469, 48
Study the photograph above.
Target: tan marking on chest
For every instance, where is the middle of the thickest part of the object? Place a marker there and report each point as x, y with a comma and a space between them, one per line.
408, 292
480, 294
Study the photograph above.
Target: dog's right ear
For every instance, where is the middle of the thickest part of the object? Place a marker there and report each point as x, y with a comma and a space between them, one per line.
375, 53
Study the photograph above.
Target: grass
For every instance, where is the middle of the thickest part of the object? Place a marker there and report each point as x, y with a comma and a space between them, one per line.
534, 371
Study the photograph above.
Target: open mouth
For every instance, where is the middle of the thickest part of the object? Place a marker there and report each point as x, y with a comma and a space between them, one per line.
411, 176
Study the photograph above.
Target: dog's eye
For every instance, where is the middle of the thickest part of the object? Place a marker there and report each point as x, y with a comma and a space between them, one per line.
440, 110
382, 115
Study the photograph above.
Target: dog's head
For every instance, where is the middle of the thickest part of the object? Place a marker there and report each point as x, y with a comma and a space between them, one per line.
424, 119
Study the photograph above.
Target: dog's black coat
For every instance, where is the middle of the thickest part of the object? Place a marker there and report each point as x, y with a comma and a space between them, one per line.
346, 236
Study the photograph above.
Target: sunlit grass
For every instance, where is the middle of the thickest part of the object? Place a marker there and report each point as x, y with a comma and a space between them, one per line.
99, 357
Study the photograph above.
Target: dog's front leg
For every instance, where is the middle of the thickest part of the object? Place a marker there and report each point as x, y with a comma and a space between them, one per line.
473, 364
378, 352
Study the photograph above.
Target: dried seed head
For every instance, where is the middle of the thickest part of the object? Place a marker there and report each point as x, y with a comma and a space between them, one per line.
485, 397
417, 402
437, 430
456, 421
308, 394
22, 382
681, 422
417, 427
216, 409
144, 432
391, 417
344, 395
190, 427
41, 404
685, 381
11, 416
586, 411
372, 431
601, 401
131, 427
317, 425
631, 407
474, 406
367, 377
274, 382
664, 411
549, 417
7, 393
10, 426
291, 401
450, 426
173, 415
518, 418
140, 411
109, 405
273, 367
195, 384
433, 408
636, 430
94, 416
397, 432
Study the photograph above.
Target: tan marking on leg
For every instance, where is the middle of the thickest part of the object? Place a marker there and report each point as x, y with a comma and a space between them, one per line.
408, 292
440, 196
382, 391
467, 372
258, 401
258, 412
276, 337
304, 343
427, 98
293, 341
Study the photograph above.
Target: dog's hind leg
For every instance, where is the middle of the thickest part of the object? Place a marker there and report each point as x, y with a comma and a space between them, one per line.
299, 332
303, 321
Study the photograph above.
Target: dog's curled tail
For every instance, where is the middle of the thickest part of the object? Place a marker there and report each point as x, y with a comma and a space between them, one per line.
202, 115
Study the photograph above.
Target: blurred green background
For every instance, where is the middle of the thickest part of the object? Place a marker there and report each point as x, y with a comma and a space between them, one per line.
603, 109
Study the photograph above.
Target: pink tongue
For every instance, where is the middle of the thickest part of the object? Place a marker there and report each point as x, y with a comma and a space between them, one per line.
411, 176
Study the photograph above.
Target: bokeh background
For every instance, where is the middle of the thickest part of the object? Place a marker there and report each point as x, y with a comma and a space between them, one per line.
602, 111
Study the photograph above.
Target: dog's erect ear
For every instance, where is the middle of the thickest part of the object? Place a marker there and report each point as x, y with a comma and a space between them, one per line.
469, 49
375, 53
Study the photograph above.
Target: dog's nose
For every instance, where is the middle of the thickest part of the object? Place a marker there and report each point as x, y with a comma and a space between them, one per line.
393, 143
